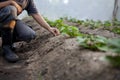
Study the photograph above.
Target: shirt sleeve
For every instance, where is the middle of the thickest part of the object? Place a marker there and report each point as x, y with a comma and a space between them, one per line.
31, 8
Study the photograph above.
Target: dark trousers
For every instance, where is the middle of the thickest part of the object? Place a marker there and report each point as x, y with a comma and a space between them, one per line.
7, 14
21, 32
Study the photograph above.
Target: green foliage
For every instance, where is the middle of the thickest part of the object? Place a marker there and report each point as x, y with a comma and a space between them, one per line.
93, 42
113, 26
72, 31
90, 41
116, 30
116, 23
114, 60
114, 45
74, 20
40, 77
97, 24
100, 43
87, 23
107, 24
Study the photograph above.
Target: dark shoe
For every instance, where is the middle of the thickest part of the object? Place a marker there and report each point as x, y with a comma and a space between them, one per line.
9, 55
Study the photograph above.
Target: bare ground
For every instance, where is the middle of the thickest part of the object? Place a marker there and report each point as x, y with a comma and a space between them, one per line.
58, 58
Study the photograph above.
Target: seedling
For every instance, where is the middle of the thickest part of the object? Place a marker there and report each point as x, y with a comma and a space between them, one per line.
93, 42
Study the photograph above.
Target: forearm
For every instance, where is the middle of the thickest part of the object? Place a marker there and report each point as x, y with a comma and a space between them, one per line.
41, 21
11, 2
4, 4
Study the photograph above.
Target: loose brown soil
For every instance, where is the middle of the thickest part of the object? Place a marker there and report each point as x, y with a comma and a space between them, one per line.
58, 58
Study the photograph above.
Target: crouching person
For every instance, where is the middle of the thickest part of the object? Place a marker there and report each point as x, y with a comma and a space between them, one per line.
14, 30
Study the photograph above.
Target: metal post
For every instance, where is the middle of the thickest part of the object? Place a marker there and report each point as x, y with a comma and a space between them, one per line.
115, 10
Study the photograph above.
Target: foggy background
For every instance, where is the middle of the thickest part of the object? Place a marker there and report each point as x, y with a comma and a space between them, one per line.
79, 9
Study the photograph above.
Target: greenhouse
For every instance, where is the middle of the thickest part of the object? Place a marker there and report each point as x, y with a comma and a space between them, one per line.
59, 39
80, 9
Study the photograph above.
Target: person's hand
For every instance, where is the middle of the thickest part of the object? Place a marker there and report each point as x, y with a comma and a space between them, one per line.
54, 31
19, 8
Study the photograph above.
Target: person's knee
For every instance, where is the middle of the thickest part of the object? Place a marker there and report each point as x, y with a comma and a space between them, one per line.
28, 36
8, 13
9, 9
32, 35
12, 9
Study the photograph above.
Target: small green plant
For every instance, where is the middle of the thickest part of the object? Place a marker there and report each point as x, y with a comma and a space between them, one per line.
92, 24
114, 45
98, 24
116, 30
86, 23
40, 77
72, 31
74, 20
116, 22
107, 24
93, 42
114, 60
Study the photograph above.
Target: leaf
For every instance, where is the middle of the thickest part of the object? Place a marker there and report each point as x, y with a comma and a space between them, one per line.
103, 48
80, 39
114, 45
114, 60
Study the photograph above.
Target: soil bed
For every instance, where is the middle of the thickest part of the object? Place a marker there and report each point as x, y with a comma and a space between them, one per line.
58, 58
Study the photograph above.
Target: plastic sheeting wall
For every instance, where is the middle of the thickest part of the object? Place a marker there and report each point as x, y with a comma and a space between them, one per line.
80, 9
